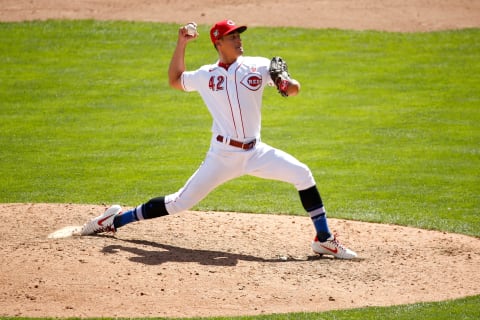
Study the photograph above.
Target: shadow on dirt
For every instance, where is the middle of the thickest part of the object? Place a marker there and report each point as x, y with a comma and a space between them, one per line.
168, 253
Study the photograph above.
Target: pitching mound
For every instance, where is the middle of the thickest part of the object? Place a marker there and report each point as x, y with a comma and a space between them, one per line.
218, 264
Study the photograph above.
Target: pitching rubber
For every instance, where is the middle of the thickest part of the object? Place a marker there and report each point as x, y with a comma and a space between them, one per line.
66, 232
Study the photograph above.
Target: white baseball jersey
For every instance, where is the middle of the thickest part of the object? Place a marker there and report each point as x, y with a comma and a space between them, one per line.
234, 98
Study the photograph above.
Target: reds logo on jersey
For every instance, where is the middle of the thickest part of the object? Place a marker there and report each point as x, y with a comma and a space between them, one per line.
253, 81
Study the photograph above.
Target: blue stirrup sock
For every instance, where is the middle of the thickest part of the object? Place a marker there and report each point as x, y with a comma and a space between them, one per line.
320, 223
128, 217
152, 209
312, 203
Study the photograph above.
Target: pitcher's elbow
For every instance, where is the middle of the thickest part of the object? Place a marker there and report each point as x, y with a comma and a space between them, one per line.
175, 84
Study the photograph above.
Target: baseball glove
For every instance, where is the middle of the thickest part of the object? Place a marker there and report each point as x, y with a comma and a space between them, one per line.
279, 74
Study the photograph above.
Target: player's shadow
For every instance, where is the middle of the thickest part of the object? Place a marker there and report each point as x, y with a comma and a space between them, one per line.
168, 253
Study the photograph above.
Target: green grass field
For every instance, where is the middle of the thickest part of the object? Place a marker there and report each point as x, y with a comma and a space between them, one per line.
388, 123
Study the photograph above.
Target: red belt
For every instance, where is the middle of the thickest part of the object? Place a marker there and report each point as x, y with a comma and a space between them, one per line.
238, 144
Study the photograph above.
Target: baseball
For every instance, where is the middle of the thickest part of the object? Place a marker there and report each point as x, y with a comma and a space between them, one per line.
191, 29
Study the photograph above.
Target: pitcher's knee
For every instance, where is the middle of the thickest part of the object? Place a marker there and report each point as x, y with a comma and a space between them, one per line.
175, 203
304, 178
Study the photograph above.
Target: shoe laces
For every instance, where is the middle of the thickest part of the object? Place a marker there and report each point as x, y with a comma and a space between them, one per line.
336, 243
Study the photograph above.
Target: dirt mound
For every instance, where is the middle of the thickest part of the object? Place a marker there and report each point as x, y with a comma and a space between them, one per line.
214, 264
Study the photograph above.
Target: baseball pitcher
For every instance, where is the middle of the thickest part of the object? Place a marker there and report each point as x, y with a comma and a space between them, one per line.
232, 90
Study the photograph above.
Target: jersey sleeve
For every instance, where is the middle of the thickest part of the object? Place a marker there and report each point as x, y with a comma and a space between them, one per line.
265, 70
193, 80
190, 80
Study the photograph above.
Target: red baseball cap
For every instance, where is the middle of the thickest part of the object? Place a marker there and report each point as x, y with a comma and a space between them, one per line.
224, 27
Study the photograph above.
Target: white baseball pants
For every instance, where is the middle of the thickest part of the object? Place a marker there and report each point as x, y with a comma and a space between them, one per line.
223, 163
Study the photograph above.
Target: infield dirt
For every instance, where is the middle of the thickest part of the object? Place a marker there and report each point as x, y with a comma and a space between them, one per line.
220, 264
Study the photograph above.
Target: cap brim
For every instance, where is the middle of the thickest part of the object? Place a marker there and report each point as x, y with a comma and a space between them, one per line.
237, 29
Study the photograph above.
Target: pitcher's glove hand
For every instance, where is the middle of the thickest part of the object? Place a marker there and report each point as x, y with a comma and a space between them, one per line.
279, 74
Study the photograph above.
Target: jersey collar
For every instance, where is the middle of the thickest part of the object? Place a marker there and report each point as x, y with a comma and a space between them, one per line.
226, 66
